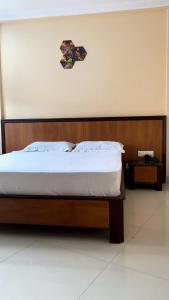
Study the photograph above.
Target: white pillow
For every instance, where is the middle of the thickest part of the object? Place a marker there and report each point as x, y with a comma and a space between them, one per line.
90, 146
49, 147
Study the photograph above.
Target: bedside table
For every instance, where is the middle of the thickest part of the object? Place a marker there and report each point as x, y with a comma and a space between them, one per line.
142, 172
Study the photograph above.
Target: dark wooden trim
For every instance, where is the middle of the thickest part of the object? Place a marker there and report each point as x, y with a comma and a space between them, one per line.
116, 216
83, 119
3, 136
71, 197
44, 197
116, 222
158, 185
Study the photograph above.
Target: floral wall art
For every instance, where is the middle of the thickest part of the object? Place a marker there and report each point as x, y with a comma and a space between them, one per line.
71, 54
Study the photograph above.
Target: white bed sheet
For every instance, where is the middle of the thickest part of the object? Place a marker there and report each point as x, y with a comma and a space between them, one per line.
44, 173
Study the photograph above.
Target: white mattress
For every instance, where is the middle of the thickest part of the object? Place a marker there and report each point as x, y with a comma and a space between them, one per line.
51, 173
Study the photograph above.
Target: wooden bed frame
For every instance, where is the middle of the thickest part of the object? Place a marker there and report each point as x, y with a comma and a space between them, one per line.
91, 212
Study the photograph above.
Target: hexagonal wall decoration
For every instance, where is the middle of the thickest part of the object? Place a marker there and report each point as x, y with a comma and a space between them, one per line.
71, 54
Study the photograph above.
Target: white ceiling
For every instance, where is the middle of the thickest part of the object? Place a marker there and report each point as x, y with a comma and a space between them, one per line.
25, 9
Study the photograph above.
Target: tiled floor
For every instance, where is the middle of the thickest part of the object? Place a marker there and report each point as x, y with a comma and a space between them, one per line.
41, 264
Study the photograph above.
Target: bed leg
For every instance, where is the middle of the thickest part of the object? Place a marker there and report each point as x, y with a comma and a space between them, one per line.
116, 222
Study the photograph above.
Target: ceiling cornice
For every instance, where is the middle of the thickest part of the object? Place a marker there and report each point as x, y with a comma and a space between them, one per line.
91, 8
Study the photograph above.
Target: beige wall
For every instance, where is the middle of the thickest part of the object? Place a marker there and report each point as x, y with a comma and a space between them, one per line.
124, 73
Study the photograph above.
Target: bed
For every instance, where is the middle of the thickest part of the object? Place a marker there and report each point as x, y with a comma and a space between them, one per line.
63, 173
92, 211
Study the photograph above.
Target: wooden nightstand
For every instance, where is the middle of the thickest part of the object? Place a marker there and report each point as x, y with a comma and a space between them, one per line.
141, 172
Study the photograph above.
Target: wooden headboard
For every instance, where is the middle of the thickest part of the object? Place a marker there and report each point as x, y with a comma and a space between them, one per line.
136, 133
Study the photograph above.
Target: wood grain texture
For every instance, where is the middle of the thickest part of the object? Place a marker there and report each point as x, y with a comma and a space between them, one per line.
134, 134
145, 174
103, 212
75, 213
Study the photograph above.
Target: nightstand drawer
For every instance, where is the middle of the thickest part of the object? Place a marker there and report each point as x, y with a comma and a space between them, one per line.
145, 174
141, 172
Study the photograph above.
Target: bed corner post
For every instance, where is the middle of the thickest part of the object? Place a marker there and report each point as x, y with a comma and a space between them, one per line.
116, 223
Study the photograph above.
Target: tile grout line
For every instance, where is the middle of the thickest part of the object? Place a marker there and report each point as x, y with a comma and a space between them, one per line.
134, 235
116, 255
124, 267
16, 252
78, 252
141, 227
98, 275
106, 263
141, 272
60, 247
91, 283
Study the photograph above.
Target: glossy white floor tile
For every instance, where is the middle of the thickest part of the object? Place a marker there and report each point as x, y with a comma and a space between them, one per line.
160, 220
45, 271
121, 283
10, 243
140, 206
71, 265
147, 252
91, 244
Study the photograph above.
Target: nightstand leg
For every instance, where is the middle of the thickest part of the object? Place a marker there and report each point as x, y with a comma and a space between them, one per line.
159, 179
131, 178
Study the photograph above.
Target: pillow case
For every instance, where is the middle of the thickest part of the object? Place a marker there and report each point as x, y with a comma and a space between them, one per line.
89, 146
49, 147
